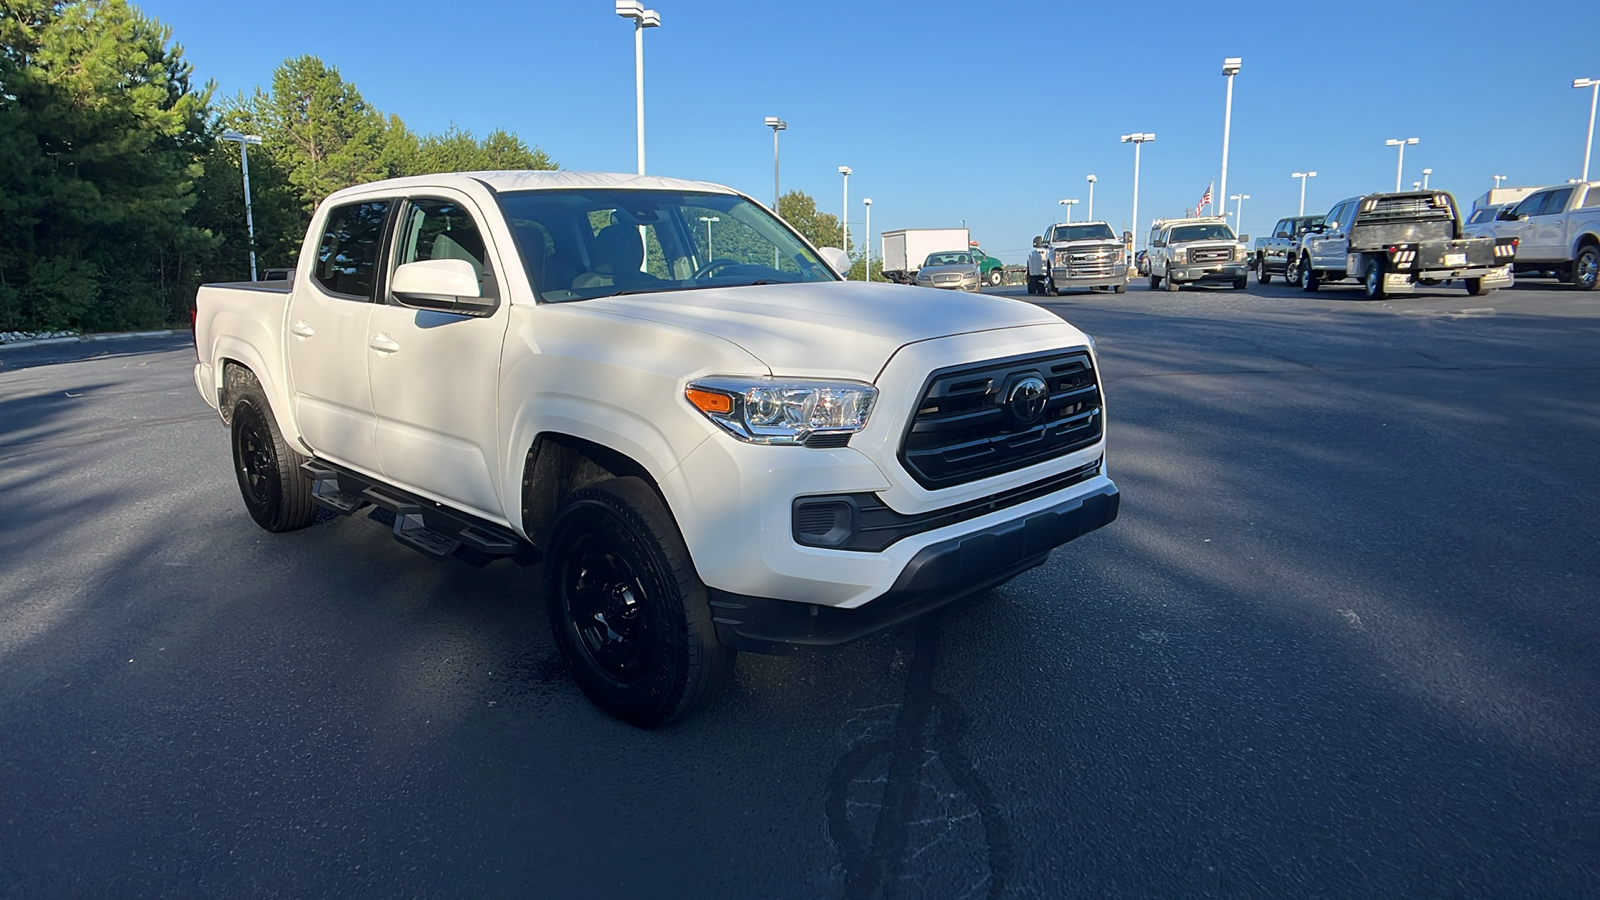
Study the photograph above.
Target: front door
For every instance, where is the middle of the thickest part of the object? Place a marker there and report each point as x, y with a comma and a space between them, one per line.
435, 376
327, 336
1547, 234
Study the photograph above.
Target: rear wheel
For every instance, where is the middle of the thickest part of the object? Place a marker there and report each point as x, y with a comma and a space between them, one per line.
1372, 281
1475, 287
1586, 269
995, 277
627, 608
276, 494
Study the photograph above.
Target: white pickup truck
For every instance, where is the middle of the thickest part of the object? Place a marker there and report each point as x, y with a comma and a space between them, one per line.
708, 451
1557, 230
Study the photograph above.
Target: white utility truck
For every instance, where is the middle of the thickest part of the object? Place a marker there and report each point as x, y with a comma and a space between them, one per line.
707, 451
904, 250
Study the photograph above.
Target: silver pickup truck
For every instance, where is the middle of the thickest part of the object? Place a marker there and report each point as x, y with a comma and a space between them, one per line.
1078, 255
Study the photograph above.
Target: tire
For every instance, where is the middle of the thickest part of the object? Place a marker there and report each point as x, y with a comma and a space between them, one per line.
1172, 286
995, 277
1308, 276
1586, 268
1475, 287
1155, 281
1262, 275
1033, 285
276, 495
1119, 288
1242, 283
615, 550
1372, 285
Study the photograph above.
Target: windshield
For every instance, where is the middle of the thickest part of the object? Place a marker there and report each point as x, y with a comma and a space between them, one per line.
585, 243
1185, 233
949, 259
1099, 231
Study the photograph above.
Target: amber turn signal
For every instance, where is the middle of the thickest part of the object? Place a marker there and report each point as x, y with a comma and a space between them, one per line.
709, 401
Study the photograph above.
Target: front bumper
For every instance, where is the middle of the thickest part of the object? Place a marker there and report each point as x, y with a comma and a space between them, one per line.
1406, 282
965, 284
1228, 272
1063, 278
938, 574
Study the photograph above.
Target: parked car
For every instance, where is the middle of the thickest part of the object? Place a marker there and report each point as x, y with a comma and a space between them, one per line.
905, 249
1393, 242
705, 452
1278, 252
1557, 229
1078, 255
1197, 251
951, 270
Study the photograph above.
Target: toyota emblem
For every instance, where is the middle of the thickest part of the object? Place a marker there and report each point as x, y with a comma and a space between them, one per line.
1027, 399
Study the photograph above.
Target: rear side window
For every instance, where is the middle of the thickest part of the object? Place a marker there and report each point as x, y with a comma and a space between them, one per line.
1557, 203
347, 258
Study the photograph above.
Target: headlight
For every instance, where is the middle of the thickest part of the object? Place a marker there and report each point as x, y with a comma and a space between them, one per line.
782, 411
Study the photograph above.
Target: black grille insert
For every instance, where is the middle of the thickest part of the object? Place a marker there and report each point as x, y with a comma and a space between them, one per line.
989, 418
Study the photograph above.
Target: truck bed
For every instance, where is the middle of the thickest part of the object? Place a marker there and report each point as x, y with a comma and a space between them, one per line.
231, 321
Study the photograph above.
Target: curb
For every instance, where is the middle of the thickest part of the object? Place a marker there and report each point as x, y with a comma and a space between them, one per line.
86, 338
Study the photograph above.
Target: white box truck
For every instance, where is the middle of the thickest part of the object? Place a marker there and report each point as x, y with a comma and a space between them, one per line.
904, 250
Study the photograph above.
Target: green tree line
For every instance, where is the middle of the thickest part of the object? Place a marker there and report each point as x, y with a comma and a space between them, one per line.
118, 196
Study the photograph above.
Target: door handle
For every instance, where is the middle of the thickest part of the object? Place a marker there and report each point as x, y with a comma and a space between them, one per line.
382, 343
301, 329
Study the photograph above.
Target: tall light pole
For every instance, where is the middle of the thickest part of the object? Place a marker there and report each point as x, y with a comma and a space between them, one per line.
642, 19
1497, 180
1091, 181
1593, 84
777, 125
1230, 68
245, 140
1069, 204
1137, 138
1302, 176
1416, 185
844, 212
1400, 164
710, 253
1425, 174
866, 270
1238, 212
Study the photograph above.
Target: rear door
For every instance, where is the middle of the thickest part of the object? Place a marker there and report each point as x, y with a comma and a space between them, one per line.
327, 351
435, 376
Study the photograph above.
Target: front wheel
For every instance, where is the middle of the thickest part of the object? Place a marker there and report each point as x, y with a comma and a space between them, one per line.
1262, 275
1586, 269
1372, 281
276, 495
628, 611
1308, 277
995, 277
1292, 273
1155, 281
1172, 286
1119, 288
1241, 283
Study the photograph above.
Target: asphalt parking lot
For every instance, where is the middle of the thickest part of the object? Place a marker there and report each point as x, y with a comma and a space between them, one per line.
1341, 642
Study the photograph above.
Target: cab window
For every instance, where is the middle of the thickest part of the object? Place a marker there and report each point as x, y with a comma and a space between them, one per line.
347, 255
1556, 203
1531, 204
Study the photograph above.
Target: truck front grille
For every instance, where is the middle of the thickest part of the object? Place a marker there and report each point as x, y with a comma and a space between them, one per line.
1086, 263
976, 421
1200, 255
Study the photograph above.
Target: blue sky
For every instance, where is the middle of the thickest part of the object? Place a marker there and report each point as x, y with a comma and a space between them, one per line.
986, 113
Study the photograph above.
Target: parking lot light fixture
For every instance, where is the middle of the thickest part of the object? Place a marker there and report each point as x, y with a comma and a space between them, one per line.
1401, 143
1136, 139
1238, 212
1069, 204
1302, 176
642, 19
1497, 180
1593, 84
1425, 174
245, 140
1091, 180
777, 125
844, 212
1230, 68
866, 269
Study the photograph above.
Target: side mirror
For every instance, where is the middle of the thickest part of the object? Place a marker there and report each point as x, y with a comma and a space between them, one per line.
1037, 240
837, 259
441, 285
1244, 238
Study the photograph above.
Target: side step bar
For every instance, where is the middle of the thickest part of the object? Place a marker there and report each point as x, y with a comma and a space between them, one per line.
419, 523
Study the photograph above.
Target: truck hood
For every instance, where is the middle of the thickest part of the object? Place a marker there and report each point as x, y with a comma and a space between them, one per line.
1092, 242
843, 329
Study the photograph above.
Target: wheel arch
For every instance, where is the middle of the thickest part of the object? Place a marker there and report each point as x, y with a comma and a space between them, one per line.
1587, 239
243, 357
558, 464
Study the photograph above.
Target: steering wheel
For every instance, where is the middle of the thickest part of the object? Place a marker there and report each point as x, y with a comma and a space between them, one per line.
712, 266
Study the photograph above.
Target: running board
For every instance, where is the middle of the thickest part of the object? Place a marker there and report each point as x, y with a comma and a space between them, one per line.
421, 524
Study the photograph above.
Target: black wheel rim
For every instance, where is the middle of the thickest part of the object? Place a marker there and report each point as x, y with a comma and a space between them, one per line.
605, 606
258, 464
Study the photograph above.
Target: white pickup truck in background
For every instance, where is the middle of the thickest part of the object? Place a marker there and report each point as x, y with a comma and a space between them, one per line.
1557, 230
706, 452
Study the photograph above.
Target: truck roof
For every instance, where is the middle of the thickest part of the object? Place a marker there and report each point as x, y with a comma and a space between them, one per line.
1192, 220
523, 180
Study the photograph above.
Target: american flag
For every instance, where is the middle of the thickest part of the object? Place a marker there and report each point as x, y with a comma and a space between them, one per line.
1204, 201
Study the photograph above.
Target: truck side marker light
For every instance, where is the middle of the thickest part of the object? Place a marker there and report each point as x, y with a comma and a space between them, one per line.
709, 401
